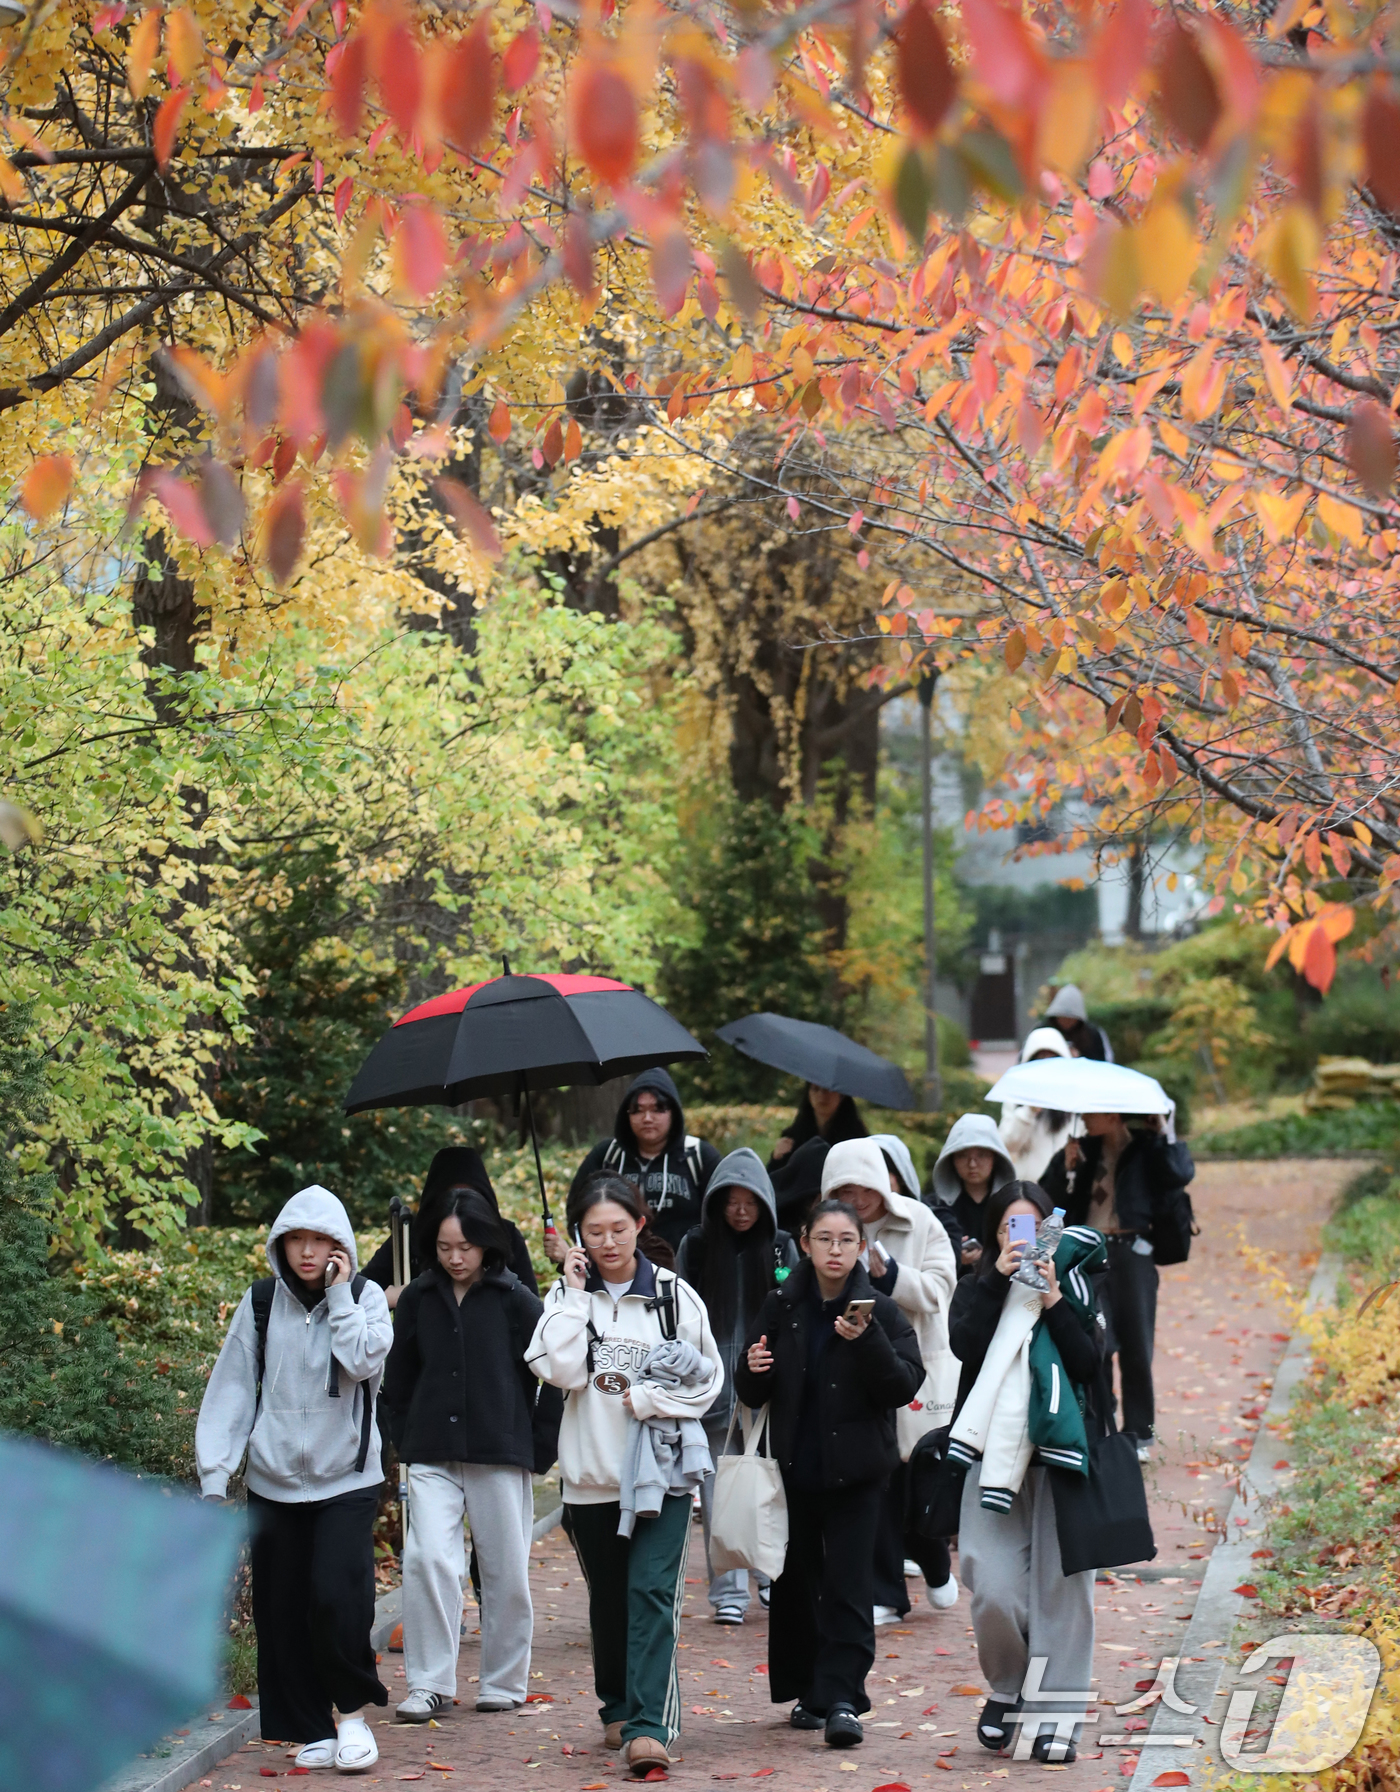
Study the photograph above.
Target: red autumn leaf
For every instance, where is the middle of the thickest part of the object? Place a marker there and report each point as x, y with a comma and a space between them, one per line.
399, 72
46, 485
183, 507
474, 520
498, 426
1002, 53
1380, 138
1260, 1554
893, 1786
1283, 1464
1186, 89
222, 501
469, 92
420, 251
605, 122
167, 125
1121, 50
1319, 960
1371, 447
670, 270
267, 1773
1249, 1591
552, 447
578, 256
521, 59
926, 77
284, 527
239, 1703
1173, 1778
344, 192
655, 1773
573, 440
348, 84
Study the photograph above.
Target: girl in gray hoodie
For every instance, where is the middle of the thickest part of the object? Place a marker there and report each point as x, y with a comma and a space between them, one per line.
294, 1386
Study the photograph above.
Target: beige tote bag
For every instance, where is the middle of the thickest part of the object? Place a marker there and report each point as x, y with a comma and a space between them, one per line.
749, 1517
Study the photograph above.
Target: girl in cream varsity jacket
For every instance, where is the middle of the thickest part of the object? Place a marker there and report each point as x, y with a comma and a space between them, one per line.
1029, 1399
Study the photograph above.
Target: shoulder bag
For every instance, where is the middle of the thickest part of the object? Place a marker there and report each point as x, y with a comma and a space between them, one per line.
749, 1517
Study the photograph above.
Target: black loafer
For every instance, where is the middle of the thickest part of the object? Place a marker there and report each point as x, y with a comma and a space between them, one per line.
843, 1727
800, 1718
993, 1731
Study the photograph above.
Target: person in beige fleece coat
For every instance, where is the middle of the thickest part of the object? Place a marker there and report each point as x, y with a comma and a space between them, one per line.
912, 1261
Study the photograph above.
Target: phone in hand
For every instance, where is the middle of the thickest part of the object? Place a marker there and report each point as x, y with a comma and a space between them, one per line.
332, 1273
854, 1309
578, 1237
1020, 1229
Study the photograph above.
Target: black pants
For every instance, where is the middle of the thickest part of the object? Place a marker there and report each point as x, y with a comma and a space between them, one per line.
893, 1543
313, 1606
821, 1631
1129, 1291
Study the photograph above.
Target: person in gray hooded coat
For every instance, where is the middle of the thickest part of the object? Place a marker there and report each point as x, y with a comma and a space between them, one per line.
299, 1399
733, 1259
972, 1165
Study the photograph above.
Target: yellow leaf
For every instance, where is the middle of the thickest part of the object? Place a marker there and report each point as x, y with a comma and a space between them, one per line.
141, 52
1362, 832
184, 42
1288, 249
1202, 384
1116, 273
1069, 118
1341, 519
1276, 373
1122, 349
1278, 514
741, 367
1167, 250
1175, 439
11, 186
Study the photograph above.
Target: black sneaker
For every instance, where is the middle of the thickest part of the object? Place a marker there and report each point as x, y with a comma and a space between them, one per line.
843, 1727
1054, 1750
800, 1718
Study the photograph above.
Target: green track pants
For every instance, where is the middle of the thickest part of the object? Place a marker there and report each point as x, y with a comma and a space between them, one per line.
635, 1592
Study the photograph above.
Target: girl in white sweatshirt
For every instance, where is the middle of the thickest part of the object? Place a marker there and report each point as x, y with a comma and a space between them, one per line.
602, 1320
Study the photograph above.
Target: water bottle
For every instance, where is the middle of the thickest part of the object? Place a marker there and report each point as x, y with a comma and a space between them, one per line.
1047, 1237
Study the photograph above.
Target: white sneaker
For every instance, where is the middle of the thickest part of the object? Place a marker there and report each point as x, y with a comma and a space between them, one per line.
317, 1754
356, 1751
912, 1570
885, 1614
1144, 1452
419, 1706
941, 1598
729, 1614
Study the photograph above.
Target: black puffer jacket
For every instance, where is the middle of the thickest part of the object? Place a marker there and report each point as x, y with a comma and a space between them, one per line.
1149, 1170
863, 1380
456, 1388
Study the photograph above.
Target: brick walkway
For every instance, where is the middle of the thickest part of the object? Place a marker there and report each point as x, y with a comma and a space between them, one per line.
1221, 1329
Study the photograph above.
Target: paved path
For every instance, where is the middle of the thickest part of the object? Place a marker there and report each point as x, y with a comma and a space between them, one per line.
1222, 1326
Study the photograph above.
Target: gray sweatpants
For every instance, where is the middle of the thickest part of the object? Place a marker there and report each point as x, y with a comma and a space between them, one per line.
1024, 1609
498, 1503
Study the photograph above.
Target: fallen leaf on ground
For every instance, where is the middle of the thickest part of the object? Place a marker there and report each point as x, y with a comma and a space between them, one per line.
893, 1786
947, 1766
1249, 1591
719, 1662
970, 1692
761, 1773
655, 1773
539, 1698
1174, 1778
239, 1703
420, 1775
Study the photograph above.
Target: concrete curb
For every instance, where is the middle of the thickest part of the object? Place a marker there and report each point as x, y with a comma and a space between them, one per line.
1217, 1604
190, 1756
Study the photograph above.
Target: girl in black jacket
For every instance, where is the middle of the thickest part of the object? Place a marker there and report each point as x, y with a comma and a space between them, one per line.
1024, 1607
832, 1382
464, 1412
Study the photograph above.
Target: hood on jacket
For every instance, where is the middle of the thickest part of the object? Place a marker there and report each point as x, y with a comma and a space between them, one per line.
970, 1130
857, 1161
1045, 1039
453, 1165
897, 1157
1069, 1002
313, 1209
797, 1181
741, 1169
659, 1082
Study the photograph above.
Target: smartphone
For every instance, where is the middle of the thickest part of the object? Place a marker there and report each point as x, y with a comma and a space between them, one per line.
578, 1237
1020, 1229
854, 1308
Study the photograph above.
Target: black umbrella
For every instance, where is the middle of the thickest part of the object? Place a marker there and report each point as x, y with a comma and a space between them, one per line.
820, 1055
513, 1034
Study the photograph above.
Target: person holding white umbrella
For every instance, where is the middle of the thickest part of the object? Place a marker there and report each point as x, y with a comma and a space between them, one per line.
1128, 1182
1033, 1135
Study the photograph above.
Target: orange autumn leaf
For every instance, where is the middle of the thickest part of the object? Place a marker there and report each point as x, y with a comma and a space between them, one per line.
141, 51
46, 485
167, 124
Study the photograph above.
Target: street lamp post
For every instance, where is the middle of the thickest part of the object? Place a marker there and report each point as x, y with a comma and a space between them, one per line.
933, 1082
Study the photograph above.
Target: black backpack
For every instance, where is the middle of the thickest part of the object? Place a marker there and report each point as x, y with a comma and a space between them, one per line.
1173, 1227
262, 1292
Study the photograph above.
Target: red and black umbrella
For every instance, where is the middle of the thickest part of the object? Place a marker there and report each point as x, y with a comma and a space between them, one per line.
514, 1034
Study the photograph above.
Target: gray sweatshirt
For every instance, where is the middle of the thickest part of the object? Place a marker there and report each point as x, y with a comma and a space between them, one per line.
301, 1443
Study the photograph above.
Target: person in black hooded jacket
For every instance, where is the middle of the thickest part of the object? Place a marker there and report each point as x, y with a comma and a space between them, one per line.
455, 1166
832, 1385
797, 1183
651, 1148
473, 1423
821, 1114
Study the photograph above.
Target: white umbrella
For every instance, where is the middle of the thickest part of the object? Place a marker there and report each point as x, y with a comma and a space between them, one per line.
1082, 1086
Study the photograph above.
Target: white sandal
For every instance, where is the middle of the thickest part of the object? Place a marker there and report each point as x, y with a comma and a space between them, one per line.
356, 1751
317, 1754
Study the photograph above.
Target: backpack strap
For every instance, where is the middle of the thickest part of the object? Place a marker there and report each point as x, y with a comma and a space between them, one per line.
663, 1302
693, 1159
262, 1292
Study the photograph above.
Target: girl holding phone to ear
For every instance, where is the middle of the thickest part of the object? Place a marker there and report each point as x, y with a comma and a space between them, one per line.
832, 1357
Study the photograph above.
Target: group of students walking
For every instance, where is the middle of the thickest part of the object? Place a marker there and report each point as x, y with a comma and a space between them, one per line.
862, 1312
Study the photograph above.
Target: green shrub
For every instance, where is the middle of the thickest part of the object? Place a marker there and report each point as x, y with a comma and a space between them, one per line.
1327, 1132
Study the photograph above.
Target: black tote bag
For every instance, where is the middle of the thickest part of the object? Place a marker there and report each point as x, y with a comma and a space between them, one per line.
934, 1487
1101, 1518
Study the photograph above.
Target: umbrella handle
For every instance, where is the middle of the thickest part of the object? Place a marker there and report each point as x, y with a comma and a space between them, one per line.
534, 1140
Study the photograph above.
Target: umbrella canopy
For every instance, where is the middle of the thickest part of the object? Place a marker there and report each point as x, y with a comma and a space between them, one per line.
1082, 1086
112, 1626
550, 1031
820, 1055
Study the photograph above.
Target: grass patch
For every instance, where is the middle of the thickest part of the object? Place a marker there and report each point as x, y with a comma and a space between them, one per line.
1326, 1132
